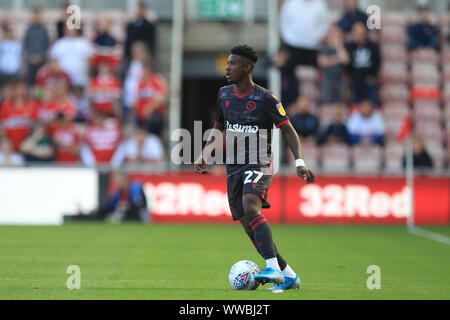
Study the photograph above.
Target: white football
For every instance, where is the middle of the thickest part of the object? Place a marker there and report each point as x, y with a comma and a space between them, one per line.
242, 275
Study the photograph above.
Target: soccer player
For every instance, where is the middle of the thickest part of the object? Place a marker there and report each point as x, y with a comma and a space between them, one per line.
245, 108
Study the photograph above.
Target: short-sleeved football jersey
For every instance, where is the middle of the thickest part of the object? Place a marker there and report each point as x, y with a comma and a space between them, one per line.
248, 122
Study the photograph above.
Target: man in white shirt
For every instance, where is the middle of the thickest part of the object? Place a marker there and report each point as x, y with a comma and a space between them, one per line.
366, 125
10, 56
144, 147
73, 52
303, 25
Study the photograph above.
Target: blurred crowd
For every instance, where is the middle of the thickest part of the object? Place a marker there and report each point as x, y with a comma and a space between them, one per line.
74, 100
69, 99
344, 84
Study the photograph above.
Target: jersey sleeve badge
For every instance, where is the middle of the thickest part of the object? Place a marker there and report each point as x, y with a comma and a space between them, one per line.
281, 109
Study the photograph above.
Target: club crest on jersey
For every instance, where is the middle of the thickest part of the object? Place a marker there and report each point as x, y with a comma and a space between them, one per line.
227, 103
281, 109
251, 105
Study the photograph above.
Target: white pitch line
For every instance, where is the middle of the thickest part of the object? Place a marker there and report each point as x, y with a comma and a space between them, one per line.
429, 235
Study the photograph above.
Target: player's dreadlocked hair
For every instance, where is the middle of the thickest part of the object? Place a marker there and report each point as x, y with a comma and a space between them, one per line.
246, 51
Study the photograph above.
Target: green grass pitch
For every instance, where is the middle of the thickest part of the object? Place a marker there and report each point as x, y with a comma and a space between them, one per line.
133, 261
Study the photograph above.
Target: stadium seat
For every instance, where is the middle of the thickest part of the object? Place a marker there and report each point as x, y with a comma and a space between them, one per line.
394, 53
393, 156
425, 74
393, 127
429, 92
394, 92
427, 110
429, 130
438, 155
394, 72
425, 55
395, 110
394, 35
367, 158
335, 157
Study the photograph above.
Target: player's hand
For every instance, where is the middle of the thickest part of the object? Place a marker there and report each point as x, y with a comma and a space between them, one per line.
201, 167
306, 174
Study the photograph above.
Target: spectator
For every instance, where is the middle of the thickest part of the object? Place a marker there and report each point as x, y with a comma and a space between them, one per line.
151, 101
364, 64
140, 29
143, 147
35, 46
18, 115
7, 155
336, 131
422, 159
303, 24
366, 125
331, 59
102, 143
304, 122
73, 53
133, 77
66, 139
423, 33
48, 75
10, 56
38, 147
127, 201
105, 90
104, 37
58, 102
351, 15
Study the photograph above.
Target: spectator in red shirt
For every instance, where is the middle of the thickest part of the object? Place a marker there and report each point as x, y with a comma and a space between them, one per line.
18, 114
151, 106
58, 102
105, 90
102, 142
67, 140
50, 74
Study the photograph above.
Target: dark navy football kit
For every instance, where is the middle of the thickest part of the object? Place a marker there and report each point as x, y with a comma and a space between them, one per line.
248, 121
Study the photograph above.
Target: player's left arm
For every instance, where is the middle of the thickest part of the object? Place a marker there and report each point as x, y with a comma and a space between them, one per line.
294, 143
276, 112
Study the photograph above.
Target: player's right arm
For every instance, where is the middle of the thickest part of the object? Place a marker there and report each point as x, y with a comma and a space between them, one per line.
200, 163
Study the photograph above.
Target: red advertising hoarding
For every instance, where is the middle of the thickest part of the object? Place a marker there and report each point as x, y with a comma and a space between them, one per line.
189, 197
